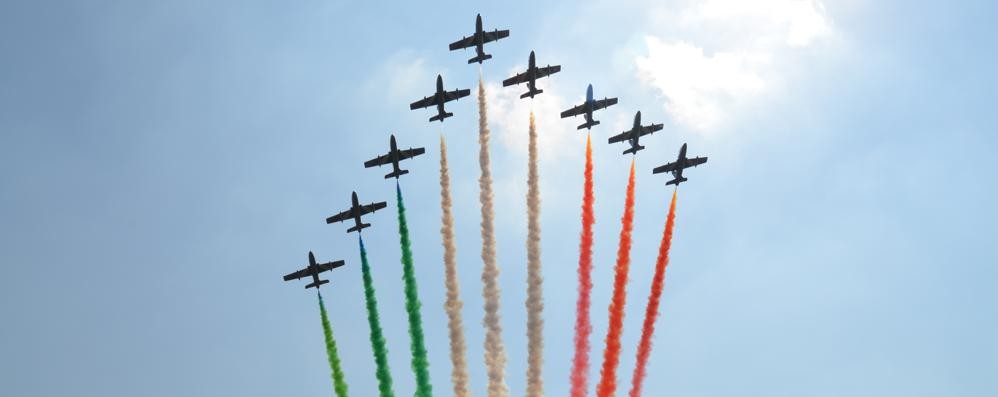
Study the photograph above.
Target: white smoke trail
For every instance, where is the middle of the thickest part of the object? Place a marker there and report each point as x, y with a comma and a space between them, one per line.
455, 322
495, 353
535, 280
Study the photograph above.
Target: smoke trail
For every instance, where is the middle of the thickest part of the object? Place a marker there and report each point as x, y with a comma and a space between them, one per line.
455, 322
583, 328
420, 363
495, 353
383, 373
535, 299
651, 311
339, 382
611, 354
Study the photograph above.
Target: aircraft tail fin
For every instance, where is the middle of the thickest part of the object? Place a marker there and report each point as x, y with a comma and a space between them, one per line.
531, 93
441, 117
589, 125
634, 150
396, 174
676, 181
480, 58
316, 285
358, 228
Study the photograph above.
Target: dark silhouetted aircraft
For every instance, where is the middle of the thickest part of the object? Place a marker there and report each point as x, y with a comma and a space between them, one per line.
478, 40
438, 99
677, 168
393, 157
530, 77
355, 212
588, 108
313, 270
635, 133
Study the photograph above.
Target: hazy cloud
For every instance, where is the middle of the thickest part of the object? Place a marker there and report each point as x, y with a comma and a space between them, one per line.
726, 53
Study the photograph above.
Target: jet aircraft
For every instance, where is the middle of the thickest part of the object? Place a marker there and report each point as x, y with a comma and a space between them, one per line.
439, 98
478, 40
393, 157
587, 108
313, 269
530, 76
634, 134
677, 167
355, 212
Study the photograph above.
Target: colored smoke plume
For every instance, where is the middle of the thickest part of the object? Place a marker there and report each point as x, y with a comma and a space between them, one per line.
339, 380
420, 362
651, 311
611, 354
583, 327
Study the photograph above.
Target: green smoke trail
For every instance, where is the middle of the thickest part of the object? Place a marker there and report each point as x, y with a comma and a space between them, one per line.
420, 363
383, 373
339, 382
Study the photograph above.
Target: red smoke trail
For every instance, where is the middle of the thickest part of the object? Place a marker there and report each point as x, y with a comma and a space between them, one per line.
580, 363
651, 312
611, 355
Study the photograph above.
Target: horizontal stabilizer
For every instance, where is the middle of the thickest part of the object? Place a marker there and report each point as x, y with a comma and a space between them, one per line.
480, 59
358, 228
676, 181
316, 285
531, 93
396, 174
441, 117
634, 150
589, 125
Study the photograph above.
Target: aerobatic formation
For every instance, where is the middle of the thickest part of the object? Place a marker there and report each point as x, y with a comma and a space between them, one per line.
494, 348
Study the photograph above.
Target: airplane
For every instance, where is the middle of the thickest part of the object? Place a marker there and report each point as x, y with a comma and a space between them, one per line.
439, 98
677, 167
635, 133
355, 212
586, 109
478, 40
530, 77
393, 157
313, 269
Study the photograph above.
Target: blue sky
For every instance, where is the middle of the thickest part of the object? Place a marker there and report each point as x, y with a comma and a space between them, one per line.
163, 164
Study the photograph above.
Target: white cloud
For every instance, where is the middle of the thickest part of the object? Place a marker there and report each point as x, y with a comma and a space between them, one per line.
699, 87
731, 53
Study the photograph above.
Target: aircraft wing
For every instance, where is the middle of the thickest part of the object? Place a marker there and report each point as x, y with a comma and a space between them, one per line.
340, 217
693, 162
665, 168
494, 35
380, 160
620, 137
367, 209
574, 111
452, 95
548, 70
519, 78
463, 43
603, 103
410, 153
298, 274
645, 130
325, 267
422, 103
